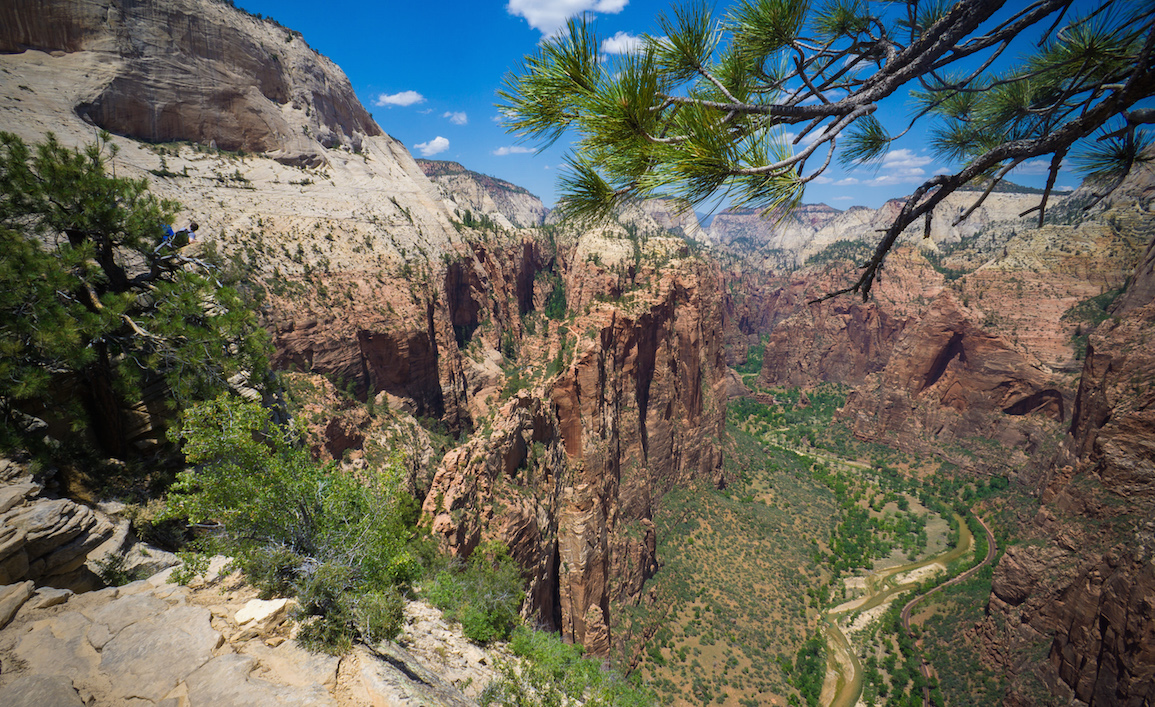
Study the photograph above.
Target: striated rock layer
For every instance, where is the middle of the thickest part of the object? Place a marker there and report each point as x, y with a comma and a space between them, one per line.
200, 71
1087, 587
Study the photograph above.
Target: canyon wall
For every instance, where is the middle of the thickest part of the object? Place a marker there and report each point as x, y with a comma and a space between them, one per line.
621, 403
1085, 587
973, 350
579, 370
575, 418
198, 71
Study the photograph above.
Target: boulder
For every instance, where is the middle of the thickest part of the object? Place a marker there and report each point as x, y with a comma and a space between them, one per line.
12, 597
40, 691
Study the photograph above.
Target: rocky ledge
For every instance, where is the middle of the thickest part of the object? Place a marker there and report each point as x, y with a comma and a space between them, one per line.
65, 639
153, 642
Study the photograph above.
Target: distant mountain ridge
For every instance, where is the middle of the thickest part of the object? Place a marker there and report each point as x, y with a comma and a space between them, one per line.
445, 168
464, 190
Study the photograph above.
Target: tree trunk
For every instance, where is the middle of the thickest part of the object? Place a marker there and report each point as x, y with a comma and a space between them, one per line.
105, 413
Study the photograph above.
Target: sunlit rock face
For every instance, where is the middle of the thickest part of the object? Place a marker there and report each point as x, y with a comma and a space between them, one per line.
200, 71
976, 352
569, 472
480, 195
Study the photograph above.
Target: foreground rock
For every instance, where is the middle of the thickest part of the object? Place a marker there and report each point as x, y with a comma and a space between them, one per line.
60, 543
152, 642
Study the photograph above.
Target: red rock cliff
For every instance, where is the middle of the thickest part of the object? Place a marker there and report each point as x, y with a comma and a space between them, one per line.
1087, 586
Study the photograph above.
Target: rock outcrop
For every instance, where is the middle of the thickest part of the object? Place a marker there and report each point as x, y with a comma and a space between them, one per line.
44, 539
785, 242
1086, 588
57, 542
629, 405
214, 643
200, 71
472, 196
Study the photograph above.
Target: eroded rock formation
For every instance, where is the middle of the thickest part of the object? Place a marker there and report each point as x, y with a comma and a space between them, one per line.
1086, 591
199, 71
473, 195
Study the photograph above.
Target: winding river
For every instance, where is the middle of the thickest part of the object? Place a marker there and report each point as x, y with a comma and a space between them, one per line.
844, 672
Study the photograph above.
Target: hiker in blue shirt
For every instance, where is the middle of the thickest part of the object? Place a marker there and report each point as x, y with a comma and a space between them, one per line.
177, 239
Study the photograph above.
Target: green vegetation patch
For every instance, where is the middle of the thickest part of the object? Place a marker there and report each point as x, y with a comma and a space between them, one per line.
553, 672
733, 592
346, 547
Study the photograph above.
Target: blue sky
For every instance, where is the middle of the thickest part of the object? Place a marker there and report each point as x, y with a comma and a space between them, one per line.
429, 72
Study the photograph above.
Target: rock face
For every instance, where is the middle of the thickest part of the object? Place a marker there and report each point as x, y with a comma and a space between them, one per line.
961, 340
200, 71
43, 539
368, 277
58, 542
1087, 589
569, 475
481, 195
786, 242
152, 642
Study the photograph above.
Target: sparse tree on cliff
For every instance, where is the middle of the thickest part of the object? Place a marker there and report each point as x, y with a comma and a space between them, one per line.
705, 107
90, 314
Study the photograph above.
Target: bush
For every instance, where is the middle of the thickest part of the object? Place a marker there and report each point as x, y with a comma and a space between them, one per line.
552, 672
345, 546
484, 596
378, 616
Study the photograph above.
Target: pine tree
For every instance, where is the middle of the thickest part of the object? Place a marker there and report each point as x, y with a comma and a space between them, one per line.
745, 105
91, 314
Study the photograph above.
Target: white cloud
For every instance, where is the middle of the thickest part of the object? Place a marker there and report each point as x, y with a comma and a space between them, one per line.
842, 198
1031, 167
1064, 188
904, 159
846, 182
549, 16
621, 43
512, 150
901, 167
823, 180
457, 118
405, 98
433, 147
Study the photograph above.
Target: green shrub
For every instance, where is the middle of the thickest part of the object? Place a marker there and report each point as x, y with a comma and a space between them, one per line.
112, 571
483, 596
378, 616
552, 672
345, 546
272, 568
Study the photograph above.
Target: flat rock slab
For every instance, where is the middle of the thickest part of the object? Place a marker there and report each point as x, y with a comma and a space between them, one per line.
226, 681
58, 646
391, 676
291, 664
147, 659
40, 691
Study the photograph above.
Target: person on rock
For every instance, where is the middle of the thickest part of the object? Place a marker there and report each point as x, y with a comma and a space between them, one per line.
177, 239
